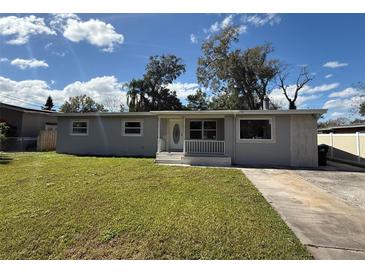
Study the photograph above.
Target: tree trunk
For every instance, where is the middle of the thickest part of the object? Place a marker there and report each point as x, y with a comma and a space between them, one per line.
292, 105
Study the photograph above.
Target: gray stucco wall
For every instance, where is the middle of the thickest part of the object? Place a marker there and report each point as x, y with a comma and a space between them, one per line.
27, 124
303, 141
35, 122
105, 137
276, 153
294, 139
13, 118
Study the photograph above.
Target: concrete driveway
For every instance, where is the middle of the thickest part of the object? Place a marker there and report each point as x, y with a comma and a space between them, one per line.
327, 216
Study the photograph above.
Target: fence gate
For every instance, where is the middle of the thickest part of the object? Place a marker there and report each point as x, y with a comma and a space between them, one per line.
46, 140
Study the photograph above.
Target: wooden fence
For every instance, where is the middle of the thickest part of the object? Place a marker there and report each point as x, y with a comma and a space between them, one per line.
46, 140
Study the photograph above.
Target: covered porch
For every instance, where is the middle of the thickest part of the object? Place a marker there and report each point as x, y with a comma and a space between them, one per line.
194, 140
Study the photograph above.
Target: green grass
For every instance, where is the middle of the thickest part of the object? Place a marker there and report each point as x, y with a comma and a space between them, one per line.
57, 206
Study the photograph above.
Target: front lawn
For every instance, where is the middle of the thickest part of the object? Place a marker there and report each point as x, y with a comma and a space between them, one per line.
56, 206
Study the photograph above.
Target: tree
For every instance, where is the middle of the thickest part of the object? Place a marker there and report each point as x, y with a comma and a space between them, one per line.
82, 103
3, 130
114, 104
151, 92
303, 78
198, 101
235, 74
49, 104
362, 108
341, 121
359, 102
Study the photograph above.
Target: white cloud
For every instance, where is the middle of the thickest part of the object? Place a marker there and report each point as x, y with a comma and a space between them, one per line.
328, 76
226, 22
94, 31
21, 28
321, 88
345, 93
338, 114
342, 104
48, 45
29, 63
183, 89
259, 20
37, 91
334, 64
307, 93
193, 39
4, 60
214, 27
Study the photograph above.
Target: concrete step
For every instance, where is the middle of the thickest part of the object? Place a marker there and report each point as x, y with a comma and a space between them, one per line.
169, 156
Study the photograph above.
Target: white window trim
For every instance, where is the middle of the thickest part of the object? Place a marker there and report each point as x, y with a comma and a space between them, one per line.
202, 130
273, 131
132, 134
79, 134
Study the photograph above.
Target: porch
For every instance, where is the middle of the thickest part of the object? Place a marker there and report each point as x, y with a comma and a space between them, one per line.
192, 140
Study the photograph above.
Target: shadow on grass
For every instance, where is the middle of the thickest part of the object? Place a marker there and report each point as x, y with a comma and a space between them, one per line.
5, 159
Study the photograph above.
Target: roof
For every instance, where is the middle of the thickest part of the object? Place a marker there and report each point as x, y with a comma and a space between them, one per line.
237, 112
23, 109
339, 127
201, 112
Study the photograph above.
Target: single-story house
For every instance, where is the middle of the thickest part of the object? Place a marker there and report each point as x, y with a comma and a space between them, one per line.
25, 125
344, 129
214, 137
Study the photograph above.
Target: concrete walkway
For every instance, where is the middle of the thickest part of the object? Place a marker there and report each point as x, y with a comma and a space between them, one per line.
326, 225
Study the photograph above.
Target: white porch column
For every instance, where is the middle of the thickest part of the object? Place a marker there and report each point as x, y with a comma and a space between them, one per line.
184, 130
159, 135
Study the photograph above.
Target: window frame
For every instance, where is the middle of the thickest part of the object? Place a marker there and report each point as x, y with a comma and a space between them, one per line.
79, 121
273, 131
132, 121
202, 129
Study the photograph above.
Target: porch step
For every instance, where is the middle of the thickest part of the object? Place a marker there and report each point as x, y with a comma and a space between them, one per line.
198, 160
169, 157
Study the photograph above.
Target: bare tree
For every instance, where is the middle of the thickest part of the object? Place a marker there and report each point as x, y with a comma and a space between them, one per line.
303, 78
114, 104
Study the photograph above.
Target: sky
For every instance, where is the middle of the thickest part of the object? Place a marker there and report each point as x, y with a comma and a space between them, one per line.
64, 55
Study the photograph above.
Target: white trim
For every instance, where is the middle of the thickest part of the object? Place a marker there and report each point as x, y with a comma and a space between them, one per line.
133, 121
358, 151
202, 130
342, 134
273, 130
79, 121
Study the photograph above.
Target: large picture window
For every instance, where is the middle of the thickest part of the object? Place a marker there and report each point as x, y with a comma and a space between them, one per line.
252, 129
206, 130
132, 128
79, 128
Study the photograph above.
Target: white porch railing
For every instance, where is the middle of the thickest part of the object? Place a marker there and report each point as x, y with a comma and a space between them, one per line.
204, 147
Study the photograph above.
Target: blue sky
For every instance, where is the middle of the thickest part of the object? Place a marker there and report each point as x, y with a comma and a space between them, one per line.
67, 55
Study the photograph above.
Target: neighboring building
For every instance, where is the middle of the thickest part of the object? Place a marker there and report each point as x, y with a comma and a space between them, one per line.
216, 137
344, 129
25, 125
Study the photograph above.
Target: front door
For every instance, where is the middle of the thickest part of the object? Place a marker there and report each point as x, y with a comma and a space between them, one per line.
176, 134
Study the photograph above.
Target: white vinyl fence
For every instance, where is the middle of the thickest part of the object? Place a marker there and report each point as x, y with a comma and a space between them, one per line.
348, 147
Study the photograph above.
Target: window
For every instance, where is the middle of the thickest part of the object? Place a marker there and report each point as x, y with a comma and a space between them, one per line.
132, 128
206, 130
79, 128
253, 129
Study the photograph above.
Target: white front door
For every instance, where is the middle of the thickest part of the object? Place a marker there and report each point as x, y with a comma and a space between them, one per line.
176, 134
